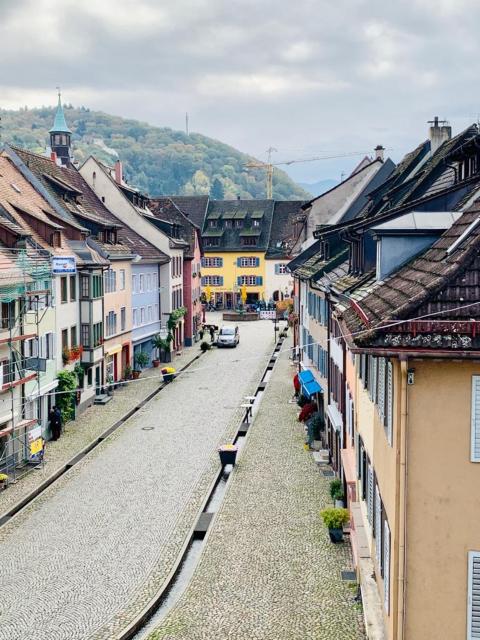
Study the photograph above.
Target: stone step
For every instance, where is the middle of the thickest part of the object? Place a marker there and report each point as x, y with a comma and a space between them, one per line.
102, 399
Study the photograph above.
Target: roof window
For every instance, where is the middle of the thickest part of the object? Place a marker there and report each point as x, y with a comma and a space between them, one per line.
461, 239
15, 188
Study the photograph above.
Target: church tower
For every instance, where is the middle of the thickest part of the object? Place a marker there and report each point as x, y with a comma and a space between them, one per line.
60, 135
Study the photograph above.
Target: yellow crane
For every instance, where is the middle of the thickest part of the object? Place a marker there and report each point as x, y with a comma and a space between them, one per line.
269, 165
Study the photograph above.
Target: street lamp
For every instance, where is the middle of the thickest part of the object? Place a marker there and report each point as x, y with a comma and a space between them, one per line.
275, 328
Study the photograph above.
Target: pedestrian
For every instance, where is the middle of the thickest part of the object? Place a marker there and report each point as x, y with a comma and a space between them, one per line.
201, 332
58, 413
55, 423
212, 333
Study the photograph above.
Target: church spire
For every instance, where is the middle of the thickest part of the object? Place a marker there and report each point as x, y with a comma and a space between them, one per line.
60, 134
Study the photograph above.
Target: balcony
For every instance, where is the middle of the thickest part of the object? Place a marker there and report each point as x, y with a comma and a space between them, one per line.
91, 355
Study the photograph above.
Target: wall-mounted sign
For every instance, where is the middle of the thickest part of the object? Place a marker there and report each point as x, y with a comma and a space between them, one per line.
63, 264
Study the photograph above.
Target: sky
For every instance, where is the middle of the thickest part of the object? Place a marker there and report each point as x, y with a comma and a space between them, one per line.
309, 78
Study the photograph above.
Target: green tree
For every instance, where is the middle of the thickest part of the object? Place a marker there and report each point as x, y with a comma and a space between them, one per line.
217, 191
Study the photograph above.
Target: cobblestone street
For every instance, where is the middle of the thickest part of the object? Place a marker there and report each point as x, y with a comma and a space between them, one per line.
85, 557
268, 570
89, 425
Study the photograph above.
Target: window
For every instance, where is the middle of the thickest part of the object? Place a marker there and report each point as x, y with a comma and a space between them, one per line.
122, 279
280, 269
97, 289
50, 345
239, 224
110, 280
97, 334
150, 314
212, 262
85, 330
212, 224
85, 286
386, 566
475, 428
134, 284
90, 377
156, 316
73, 288
142, 283
64, 338
8, 314
135, 317
73, 336
111, 324
248, 261
155, 281
249, 241
250, 281
142, 315
212, 242
214, 281
56, 239
63, 289
473, 594
255, 223
123, 318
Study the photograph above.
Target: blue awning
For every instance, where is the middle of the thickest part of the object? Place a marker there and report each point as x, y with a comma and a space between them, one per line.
308, 383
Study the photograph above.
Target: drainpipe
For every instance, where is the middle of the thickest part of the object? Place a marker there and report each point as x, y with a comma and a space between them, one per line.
401, 504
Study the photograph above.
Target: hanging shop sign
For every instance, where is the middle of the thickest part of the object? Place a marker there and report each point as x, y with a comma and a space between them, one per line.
63, 264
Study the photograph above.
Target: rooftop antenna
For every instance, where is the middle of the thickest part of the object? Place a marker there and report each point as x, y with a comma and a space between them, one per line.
186, 123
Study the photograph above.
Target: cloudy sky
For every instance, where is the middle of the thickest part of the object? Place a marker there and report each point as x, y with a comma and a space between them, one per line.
309, 77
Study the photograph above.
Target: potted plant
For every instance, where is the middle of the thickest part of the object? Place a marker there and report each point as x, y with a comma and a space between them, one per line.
334, 519
110, 385
336, 492
3, 481
127, 372
228, 453
163, 346
141, 360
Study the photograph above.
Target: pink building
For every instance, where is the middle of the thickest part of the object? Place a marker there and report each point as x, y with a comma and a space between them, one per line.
181, 230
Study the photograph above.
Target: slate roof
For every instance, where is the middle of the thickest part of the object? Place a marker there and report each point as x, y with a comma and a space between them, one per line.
435, 281
166, 209
282, 236
194, 207
230, 239
88, 207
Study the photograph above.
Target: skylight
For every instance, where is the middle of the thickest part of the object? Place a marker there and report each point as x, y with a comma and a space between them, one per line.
464, 236
15, 188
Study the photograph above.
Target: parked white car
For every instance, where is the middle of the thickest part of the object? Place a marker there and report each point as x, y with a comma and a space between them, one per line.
228, 337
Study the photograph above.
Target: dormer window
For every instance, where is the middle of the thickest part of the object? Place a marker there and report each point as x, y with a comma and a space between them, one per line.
212, 224
255, 223
56, 239
239, 224
111, 236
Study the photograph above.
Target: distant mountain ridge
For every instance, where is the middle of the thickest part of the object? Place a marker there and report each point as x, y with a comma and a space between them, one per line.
159, 161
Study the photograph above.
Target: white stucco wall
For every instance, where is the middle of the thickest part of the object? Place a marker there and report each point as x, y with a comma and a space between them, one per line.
277, 282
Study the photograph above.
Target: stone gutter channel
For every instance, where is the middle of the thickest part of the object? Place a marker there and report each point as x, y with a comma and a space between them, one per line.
180, 576
6, 517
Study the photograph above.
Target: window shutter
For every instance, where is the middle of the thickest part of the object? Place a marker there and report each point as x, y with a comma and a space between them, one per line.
475, 447
204, 279
378, 527
259, 281
473, 616
390, 403
220, 262
370, 494
386, 567
381, 388
239, 281
239, 262
257, 262
277, 269
374, 384
203, 262
220, 281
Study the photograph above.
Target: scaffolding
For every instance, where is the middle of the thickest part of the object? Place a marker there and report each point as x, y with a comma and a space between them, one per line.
25, 297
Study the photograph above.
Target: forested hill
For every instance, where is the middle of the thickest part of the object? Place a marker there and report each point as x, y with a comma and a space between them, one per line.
156, 160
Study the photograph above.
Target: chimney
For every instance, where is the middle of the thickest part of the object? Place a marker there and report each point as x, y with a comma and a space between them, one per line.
118, 172
439, 132
379, 152
53, 157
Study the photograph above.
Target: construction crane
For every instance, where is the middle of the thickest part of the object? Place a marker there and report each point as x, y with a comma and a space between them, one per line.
268, 166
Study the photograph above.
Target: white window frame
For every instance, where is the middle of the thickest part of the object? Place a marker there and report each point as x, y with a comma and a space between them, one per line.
475, 421
473, 568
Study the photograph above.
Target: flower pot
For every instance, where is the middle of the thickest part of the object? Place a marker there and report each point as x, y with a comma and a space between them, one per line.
156, 363
136, 375
339, 504
336, 535
228, 454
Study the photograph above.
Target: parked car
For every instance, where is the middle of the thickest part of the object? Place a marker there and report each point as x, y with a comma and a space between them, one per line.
228, 337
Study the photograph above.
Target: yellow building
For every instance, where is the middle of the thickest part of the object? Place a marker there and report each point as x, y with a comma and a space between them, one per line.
237, 242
